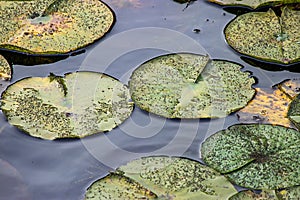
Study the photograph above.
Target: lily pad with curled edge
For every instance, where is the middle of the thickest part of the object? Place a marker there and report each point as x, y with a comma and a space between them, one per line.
5, 69
255, 156
52, 26
190, 86
116, 186
270, 106
265, 36
294, 111
178, 178
253, 3
76, 105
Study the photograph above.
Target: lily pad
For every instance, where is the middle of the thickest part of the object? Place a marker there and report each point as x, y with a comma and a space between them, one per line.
294, 111
289, 193
77, 105
253, 3
250, 195
190, 86
264, 35
52, 26
116, 186
5, 69
178, 178
270, 106
255, 156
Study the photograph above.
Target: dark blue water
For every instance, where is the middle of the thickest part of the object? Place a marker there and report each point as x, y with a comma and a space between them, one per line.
32, 168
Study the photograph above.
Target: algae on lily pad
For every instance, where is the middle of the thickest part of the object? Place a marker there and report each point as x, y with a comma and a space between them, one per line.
76, 105
255, 156
177, 178
253, 3
190, 86
52, 26
294, 111
116, 186
265, 36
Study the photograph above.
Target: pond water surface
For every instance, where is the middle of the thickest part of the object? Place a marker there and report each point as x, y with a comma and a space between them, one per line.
33, 168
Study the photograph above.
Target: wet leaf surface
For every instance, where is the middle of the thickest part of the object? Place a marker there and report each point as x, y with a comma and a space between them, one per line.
255, 156
270, 106
77, 105
171, 178
52, 26
190, 86
253, 3
263, 35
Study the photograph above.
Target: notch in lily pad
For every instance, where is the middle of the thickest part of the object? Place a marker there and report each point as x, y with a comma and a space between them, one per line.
266, 36
53, 26
73, 106
162, 178
190, 86
255, 156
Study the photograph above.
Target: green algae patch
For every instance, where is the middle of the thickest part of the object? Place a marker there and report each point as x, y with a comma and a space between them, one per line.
116, 186
76, 105
168, 178
253, 3
5, 69
265, 36
52, 26
190, 86
294, 111
255, 156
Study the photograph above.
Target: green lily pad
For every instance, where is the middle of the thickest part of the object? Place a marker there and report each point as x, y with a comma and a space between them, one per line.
190, 86
253, 3
265, 36
282, 194
255, 156
52, 26
5, 69
250, 195
294, 111
116, 186
77, 105
177, 178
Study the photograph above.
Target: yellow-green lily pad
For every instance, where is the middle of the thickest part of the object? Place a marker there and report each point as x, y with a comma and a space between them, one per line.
253, 3
76, 105
255, 156
168, 178
116, 186
265, 36
190, 86
5, 69
52, 26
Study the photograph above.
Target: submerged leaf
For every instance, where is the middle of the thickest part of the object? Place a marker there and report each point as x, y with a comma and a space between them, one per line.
52, 26
253, 3
265, 36
117, 187
77, 105
270, 106
255, 156
178, 178
190, 86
